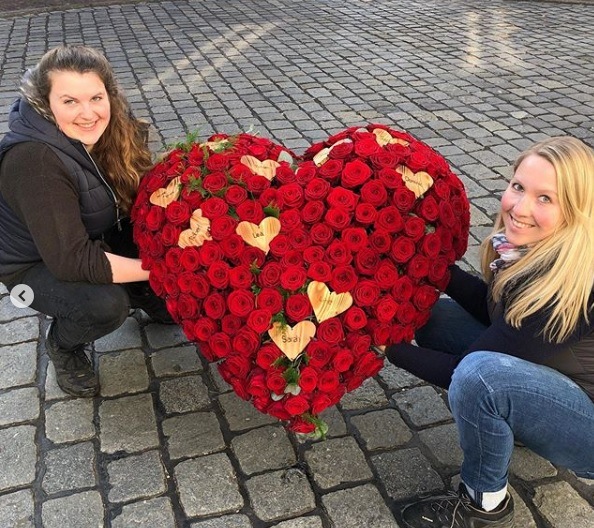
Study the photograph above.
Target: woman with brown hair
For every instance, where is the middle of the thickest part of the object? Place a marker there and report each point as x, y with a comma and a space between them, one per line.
69, 170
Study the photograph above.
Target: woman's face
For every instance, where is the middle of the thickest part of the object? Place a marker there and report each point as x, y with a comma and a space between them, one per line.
530, 204
80, 105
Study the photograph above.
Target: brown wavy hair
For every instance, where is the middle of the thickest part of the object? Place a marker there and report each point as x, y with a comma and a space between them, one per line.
121, 152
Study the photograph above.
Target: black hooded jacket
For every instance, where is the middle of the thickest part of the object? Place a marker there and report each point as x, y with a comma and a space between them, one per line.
55, 204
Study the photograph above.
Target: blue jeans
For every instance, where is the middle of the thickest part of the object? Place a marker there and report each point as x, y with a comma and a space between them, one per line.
496, 398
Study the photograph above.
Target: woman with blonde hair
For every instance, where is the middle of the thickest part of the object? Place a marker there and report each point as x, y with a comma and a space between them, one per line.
516, 349
69, 170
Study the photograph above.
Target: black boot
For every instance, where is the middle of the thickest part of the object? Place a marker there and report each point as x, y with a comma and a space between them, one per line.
457, 510
74, 369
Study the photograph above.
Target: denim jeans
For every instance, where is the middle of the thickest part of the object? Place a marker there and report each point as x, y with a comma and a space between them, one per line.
496, 398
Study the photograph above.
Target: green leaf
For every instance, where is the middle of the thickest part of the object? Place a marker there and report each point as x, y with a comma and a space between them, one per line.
272, 210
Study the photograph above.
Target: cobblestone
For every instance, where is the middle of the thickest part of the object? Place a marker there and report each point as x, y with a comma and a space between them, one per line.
167, 444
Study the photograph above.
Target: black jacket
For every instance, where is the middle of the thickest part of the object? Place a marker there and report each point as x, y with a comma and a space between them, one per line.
55, 204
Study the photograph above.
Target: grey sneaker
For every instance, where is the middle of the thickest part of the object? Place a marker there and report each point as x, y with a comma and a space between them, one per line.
456, 510
74, 369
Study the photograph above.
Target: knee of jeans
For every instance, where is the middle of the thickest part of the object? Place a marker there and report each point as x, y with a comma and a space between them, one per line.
109, 307
468, 381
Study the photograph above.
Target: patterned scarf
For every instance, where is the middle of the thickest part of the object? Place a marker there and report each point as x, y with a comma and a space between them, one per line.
508, 252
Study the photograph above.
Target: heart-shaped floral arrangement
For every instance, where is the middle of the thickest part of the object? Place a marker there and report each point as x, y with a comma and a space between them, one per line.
286, 270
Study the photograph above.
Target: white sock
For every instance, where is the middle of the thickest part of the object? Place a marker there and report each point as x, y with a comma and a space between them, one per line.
489, 500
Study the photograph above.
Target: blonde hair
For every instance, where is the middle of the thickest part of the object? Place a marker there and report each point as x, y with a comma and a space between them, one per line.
121, 152
557, 274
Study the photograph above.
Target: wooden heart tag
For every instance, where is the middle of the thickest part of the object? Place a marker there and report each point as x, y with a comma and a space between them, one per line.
383, 137
417, 182
266, 168
327, 304
199, 231
292, 340
166, 195
259, 235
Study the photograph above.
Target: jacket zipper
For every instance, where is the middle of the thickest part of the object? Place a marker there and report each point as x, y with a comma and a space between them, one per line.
113, 195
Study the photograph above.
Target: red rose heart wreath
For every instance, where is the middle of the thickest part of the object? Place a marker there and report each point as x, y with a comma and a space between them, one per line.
287, 270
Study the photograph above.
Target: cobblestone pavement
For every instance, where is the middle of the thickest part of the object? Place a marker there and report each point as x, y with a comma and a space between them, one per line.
166, 443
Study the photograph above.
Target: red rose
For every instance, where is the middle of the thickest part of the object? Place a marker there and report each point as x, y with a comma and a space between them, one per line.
214, 182
418, 267
267, 355
365, 213
237, 366
232, 246
270, 299
284, 174
256, 385
338, 254
385, 309
320, 271
425, 297
259, 320
155, 218
218, 274
300, 239
383, 159
367, 146
299, 425
406, 313
292, 258
386, 275
250, 211
270, 198
389, 220
200, 286
330, 331
170, 234
404, 199
308, 379
328, 381
193, 198
374, 192
355, 238
171, 305
277, 409
240, 173
342, 199
222, 227
343, 360
442, 190
220, 344
438, 270
368, 365
319, 353
290, 219
337, 218
341, 150
241, 277
172, 260
317, 189
320, 402
214, 306
204, 328
293, 278
367, 261
185, 281
414, 227
187, 306
343, 279
312, 212
355, 173
296, 405
355, 318
279, 245
241, 302
390, 178
257, 184
431, 245
305, 172
178, 212
275, 381
214, 207
359, 343
331, 169
428, 209
419, 159
269, 276
292, 194
446, 214
190, 258
252, 256
321, 234
446, 238
246, 342
170, 285
235, 194
403, 248
313, 254
298, 307
403, 289
217, 162
366, 293
231, 324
